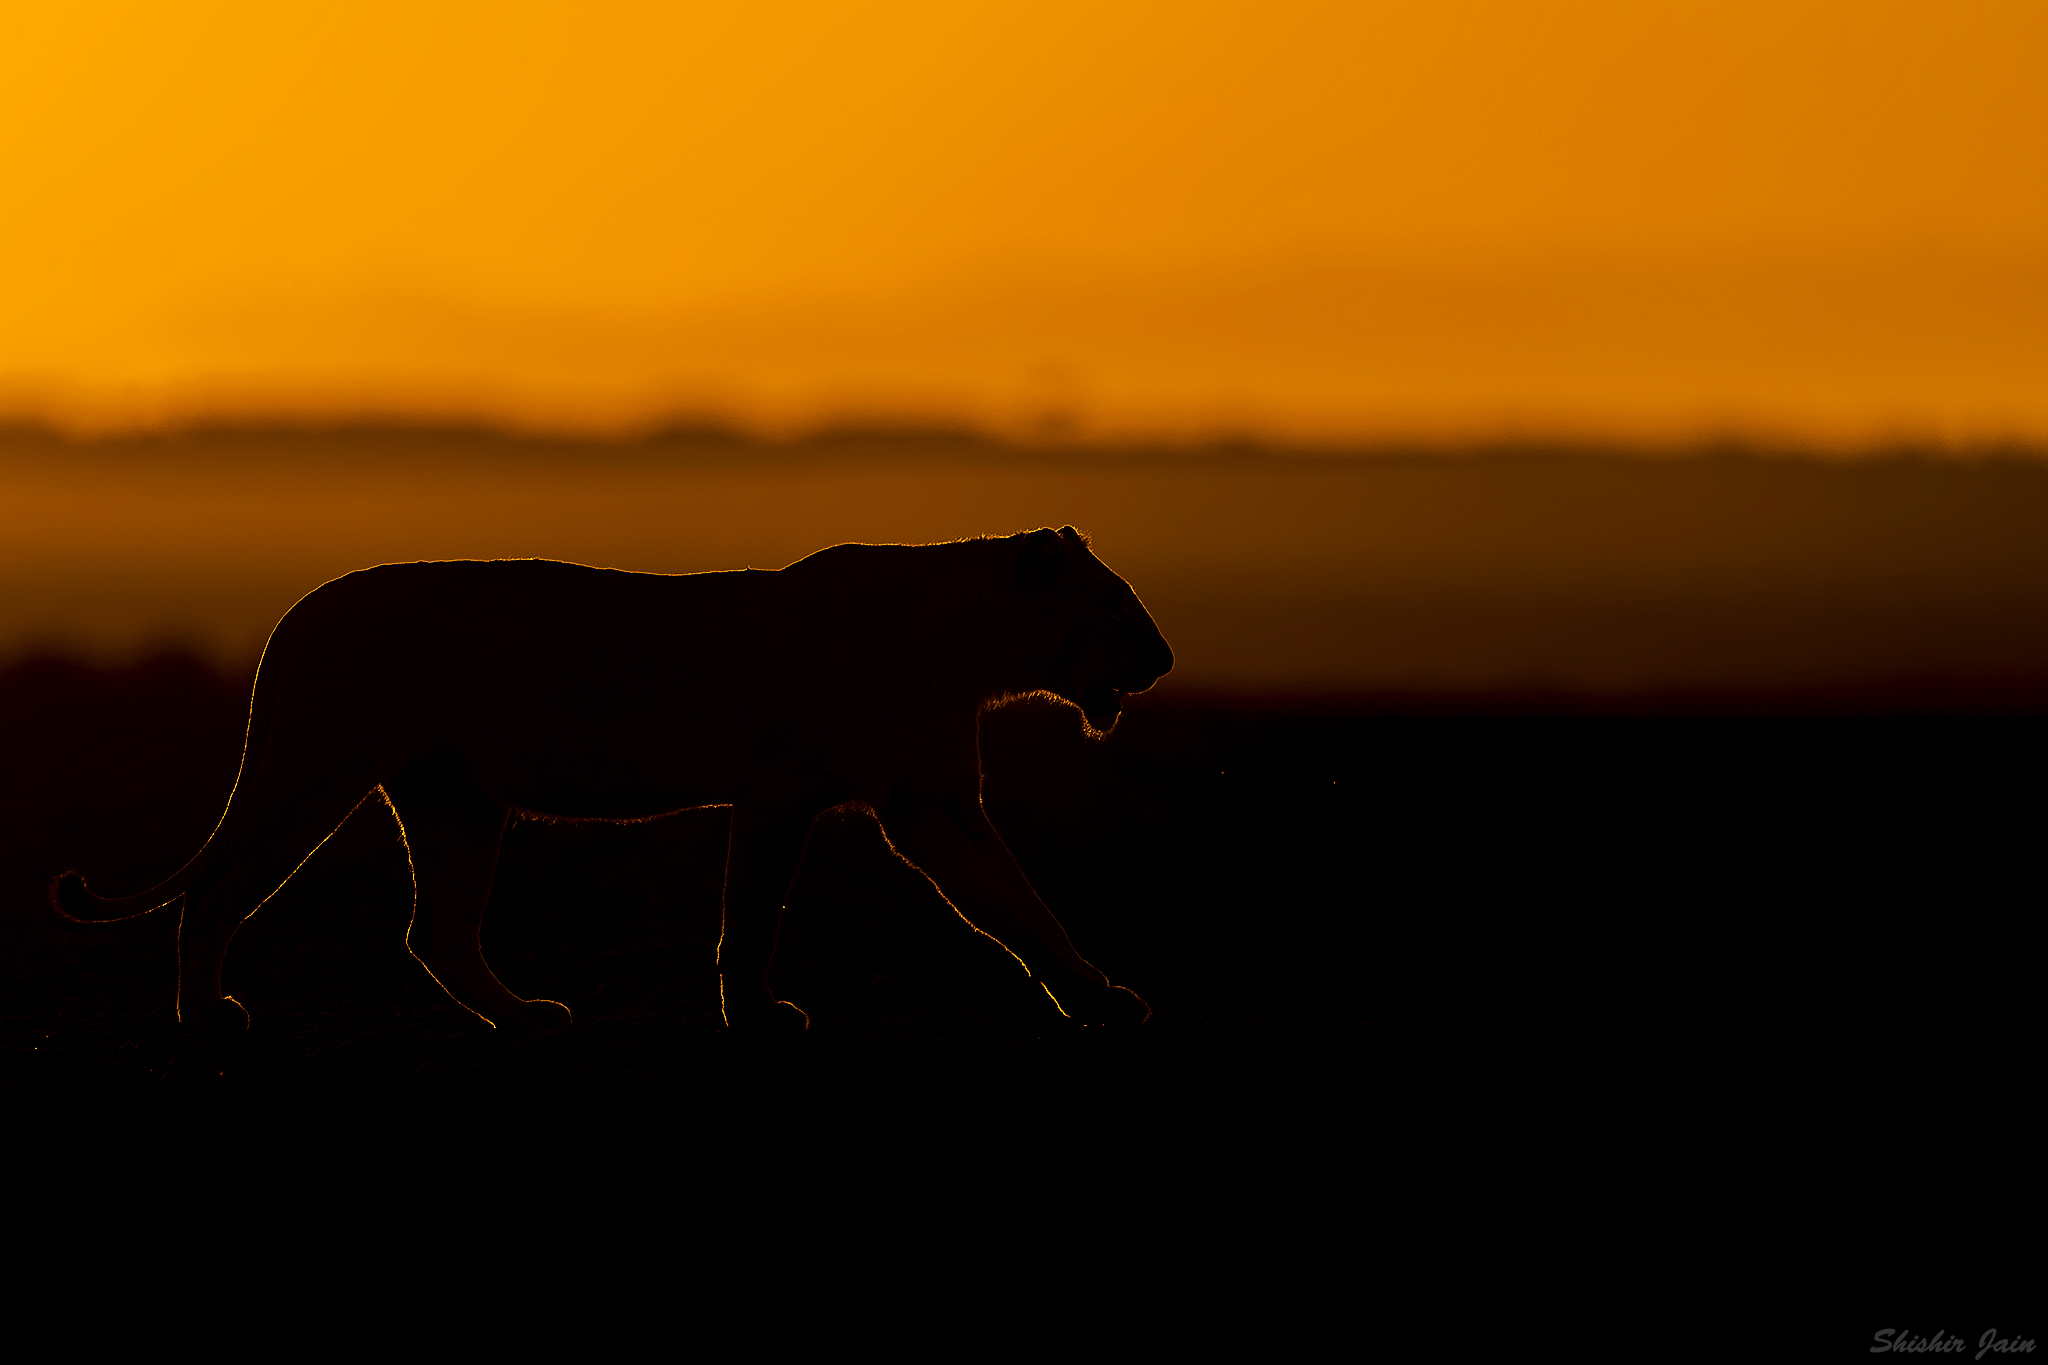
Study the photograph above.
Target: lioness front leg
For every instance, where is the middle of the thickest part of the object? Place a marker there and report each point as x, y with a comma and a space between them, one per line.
767, 844
951, 841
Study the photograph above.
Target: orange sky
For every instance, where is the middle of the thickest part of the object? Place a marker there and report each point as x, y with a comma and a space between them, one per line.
1825, 221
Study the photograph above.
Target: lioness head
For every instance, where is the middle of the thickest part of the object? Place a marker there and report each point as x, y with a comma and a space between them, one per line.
1103, 645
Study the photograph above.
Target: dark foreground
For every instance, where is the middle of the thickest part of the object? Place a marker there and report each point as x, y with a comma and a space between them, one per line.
1360, 932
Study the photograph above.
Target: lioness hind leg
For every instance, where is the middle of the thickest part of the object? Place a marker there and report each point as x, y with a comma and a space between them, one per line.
277, 833
205, 926
452, 832
761, 860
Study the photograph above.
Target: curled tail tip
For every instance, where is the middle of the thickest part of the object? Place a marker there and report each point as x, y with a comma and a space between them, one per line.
69, 898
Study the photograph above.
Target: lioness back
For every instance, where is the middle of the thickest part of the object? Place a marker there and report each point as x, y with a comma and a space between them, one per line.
565, 689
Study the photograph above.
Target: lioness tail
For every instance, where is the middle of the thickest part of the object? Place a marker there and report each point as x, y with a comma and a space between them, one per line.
71, 899
69, 896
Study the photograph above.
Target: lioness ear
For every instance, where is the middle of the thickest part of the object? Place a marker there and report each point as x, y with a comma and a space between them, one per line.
1042, 560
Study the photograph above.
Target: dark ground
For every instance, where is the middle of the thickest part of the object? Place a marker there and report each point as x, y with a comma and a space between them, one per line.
1441, 937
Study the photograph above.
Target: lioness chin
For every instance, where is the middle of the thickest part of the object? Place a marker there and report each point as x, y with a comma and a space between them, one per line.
466, 692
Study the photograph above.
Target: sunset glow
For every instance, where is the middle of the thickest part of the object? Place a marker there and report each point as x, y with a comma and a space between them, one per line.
1822, 222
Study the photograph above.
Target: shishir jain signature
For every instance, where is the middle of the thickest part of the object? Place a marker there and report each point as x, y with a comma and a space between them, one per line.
1941, 1343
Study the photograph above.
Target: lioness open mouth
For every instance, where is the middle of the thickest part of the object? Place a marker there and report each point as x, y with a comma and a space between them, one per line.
1102, 705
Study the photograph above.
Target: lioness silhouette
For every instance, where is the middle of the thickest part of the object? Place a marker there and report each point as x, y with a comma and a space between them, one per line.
471, 691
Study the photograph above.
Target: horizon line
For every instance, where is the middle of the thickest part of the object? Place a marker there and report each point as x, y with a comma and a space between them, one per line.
689, 428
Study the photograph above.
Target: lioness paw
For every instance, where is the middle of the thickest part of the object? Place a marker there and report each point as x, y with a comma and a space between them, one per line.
224, 1016
535, 1016
765, 1023
1090, 1003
